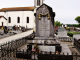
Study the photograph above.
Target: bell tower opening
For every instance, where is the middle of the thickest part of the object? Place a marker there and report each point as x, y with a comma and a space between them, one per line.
38, 3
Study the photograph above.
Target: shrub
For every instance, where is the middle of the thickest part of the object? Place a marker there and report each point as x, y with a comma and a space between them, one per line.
72, 33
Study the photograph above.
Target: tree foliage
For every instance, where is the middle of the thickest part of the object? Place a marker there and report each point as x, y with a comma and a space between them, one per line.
78, 19
57, 23
72, 25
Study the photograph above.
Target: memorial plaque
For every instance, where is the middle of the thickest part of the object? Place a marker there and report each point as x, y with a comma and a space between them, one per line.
47, 48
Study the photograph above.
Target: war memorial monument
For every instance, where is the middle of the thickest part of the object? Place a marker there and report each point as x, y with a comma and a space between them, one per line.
44, 40
44, 35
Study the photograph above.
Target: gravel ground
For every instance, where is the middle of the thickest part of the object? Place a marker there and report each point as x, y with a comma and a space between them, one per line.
73, 49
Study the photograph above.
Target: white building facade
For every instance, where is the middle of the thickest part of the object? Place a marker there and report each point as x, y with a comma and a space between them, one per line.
19, 16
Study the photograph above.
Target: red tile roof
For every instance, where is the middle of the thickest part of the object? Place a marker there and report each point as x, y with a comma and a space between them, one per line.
18, 9
3, 17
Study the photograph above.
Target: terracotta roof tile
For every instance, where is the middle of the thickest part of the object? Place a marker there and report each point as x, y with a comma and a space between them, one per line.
17, 9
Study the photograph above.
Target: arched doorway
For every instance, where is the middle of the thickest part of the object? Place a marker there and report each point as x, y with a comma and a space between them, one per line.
2, 23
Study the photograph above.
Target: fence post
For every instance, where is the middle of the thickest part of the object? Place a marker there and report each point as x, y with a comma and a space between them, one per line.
72, 53
27, 53
10, 52
8, 45
7, 51
11, 45
76, 56
63, 53
16, 44
16, 51
34, 55
1, 49
50, 52
59, 53
23, 54
67, 53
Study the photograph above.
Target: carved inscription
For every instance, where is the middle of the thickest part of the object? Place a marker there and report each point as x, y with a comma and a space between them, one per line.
44, 28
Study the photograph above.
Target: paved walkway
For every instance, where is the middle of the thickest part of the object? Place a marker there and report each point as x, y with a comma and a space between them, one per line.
17, 36
65, 49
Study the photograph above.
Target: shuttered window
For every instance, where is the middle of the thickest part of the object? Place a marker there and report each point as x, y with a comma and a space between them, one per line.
9, 20
38, 2
27, 19
18, 20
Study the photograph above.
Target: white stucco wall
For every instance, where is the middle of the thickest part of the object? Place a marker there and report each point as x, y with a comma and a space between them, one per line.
4, 22
62, 34
3, 14
29, 14
14, 15
23, 18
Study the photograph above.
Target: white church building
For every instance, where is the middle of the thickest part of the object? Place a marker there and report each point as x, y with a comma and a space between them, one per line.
19, 16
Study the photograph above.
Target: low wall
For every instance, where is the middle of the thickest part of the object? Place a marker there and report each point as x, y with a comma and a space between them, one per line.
77, 36
65, 38
14, 37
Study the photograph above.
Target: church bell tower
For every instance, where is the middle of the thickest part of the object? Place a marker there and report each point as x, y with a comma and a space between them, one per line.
38, 3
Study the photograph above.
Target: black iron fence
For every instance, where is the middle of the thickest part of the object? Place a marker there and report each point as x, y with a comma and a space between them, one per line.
77, 44
29, 55
10, 51
13, 44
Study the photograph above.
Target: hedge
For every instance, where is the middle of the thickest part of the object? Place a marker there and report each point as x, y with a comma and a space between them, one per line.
72, 33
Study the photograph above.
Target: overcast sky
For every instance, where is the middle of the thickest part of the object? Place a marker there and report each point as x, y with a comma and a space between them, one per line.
65, 10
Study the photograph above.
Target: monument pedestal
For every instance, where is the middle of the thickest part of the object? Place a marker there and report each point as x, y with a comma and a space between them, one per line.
45, 29
45, 41
46, 44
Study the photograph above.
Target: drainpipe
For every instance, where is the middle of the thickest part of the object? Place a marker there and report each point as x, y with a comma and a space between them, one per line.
22, 16
7, 18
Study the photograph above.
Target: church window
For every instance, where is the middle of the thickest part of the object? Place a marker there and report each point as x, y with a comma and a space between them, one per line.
18, 20
27, 19
9, 20
38, 2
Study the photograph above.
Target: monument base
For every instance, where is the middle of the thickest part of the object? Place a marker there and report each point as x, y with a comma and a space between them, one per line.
45, 41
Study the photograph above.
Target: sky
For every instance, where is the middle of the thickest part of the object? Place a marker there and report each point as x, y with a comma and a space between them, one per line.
65, 10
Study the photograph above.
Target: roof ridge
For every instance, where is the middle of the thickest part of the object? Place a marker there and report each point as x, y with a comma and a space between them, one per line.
18, 9
15, 7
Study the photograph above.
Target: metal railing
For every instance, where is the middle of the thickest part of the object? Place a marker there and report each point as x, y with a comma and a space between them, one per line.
16, 54
9, 51
77, 44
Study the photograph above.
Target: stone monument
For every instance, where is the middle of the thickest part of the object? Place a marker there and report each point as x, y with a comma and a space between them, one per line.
44, 36
45, 25
44, 21
45, 29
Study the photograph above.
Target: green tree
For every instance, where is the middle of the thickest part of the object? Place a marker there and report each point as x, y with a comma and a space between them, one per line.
78, 19
57, 23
